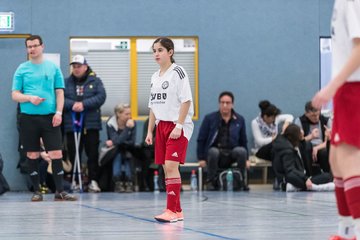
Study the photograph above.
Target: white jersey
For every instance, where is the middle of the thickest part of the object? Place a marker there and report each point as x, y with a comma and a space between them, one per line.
167, 93
345, 26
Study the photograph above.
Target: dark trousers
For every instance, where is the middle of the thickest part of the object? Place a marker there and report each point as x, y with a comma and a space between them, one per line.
322, 158
300, 181
219, 159
265, 152
90, 141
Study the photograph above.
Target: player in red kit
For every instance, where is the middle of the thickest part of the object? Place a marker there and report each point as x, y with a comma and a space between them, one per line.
345, 137
171, 109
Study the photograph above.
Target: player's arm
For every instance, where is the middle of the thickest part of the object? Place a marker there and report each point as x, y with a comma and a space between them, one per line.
151, 125
184, 109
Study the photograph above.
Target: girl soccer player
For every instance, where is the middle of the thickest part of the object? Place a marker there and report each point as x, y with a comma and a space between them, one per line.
345, 138
171, 109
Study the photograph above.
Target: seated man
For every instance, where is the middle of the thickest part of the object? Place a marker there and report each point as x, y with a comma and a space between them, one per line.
313, 124
222, 140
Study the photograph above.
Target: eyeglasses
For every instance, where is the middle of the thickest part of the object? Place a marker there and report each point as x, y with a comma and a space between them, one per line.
33, 46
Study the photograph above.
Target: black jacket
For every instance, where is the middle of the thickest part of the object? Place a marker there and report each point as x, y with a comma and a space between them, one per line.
287, 163
305, 123
93, 98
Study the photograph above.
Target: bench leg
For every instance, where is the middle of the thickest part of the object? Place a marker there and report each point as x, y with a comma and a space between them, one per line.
265, 175
200, 178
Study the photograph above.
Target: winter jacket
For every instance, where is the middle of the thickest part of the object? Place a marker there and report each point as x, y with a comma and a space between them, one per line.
93, 98
209, 131
287, 163
124, 138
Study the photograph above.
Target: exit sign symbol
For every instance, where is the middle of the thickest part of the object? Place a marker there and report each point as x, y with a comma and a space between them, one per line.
6, 22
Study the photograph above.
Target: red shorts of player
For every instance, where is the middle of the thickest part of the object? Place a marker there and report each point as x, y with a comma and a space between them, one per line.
346, 124
167, 148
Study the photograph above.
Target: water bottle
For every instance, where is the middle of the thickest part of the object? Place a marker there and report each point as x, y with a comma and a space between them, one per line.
193, 181
156, 182
229, 180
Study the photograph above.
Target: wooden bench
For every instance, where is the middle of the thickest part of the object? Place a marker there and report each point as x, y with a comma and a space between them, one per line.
256, 162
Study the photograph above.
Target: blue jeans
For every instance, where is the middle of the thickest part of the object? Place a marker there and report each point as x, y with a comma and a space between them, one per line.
121, 163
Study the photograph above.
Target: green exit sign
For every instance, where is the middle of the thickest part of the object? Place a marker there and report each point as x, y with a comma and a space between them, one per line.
6, 21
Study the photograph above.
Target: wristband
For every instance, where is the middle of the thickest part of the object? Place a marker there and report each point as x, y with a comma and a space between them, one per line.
58, 112
179, 126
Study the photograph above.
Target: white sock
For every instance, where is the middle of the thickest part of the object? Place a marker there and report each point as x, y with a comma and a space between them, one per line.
346, 227
291, 188
357, 227
327, 187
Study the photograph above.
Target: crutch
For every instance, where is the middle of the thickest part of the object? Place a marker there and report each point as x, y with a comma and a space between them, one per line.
77, 128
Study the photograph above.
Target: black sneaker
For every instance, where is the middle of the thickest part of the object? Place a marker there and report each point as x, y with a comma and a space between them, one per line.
64, 196
37, 197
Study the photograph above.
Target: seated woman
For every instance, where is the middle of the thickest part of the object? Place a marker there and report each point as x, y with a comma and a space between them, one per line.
265, 128
121, 131
289, 168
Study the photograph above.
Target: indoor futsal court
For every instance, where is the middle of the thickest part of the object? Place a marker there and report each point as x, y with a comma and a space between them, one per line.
259, 214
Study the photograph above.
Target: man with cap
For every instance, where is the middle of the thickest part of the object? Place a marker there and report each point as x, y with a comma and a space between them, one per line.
84, 95
38, 85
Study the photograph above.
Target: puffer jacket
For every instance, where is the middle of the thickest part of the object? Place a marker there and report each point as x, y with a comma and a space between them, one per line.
93, 98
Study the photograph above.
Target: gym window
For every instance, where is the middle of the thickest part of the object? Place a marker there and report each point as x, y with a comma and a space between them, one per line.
126, 64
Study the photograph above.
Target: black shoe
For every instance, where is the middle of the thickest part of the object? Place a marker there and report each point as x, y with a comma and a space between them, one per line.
246, 188
276, 185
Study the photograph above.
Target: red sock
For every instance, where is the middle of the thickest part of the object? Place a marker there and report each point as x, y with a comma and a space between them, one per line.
341, 198
352, 192
173, 186
178, 205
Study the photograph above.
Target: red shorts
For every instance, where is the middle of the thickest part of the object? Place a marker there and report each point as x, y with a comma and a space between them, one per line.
167, 148
346, 124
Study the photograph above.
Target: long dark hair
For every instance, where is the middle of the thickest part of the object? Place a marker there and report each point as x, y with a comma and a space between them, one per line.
166, 43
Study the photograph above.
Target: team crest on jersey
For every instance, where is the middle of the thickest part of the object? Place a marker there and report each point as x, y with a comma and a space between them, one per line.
165, 85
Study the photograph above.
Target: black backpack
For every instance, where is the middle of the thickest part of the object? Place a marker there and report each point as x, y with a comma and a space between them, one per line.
4, 186
238, 180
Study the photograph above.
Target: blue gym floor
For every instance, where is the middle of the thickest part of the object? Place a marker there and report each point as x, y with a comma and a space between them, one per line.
259, 214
